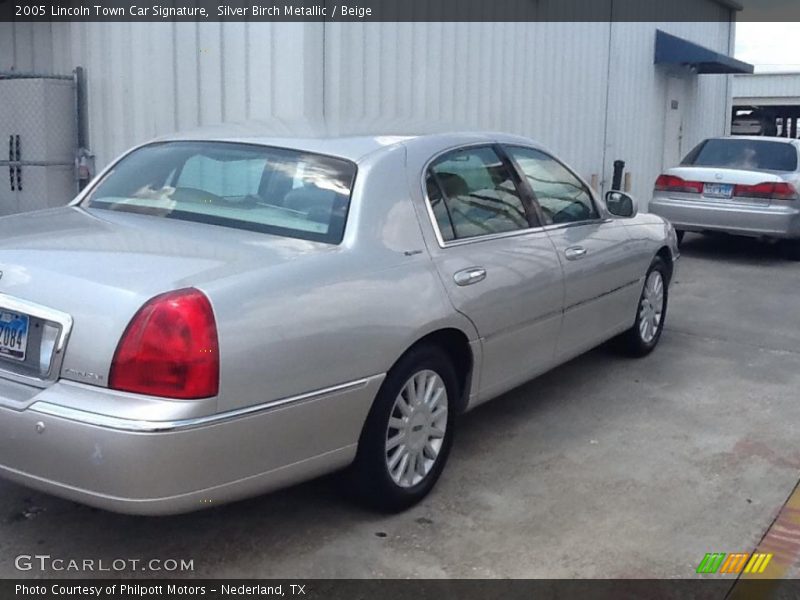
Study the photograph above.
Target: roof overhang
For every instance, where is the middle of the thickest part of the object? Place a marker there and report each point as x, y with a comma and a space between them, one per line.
672, 50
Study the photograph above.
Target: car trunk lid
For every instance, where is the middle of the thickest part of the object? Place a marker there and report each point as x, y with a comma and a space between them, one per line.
718, 184
98, 267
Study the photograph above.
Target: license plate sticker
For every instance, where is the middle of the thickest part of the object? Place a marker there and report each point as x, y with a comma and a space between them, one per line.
718, 190
13, 335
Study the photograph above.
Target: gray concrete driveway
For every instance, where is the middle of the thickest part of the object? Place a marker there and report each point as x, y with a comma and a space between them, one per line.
605, 467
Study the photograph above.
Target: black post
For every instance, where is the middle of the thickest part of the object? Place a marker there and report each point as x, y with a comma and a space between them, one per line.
616, 181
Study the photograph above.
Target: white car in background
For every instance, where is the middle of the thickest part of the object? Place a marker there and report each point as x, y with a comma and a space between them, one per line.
738, 185
754, 123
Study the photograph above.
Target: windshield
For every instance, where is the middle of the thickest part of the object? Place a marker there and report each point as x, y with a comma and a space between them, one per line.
743, 154
271, 190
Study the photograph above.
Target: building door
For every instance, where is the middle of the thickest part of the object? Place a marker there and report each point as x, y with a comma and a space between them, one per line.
673, 122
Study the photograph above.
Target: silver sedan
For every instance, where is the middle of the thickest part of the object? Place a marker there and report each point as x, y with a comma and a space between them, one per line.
216, 317
739, 185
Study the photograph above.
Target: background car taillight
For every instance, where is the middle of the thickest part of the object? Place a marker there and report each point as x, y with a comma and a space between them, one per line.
779, 190
671, 183
169, 348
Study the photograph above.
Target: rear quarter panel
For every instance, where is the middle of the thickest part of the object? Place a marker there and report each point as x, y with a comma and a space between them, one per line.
339, 315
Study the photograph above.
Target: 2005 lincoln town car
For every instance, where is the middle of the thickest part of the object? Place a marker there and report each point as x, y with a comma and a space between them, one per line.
213, 318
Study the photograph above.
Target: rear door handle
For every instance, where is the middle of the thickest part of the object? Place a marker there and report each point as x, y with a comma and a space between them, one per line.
575, 252
470, 276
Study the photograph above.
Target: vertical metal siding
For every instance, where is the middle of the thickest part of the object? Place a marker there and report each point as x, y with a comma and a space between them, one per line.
180, 75
767, 85
637, 98
545, 80
588, 90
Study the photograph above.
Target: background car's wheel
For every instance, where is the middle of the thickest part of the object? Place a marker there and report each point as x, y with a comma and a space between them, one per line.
407, 436
680, 233
651, 312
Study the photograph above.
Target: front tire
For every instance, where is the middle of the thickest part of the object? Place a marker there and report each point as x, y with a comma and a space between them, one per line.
409, 431
651, 312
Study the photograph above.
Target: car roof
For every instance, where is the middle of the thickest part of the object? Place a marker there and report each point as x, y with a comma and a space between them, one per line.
758, 138
353, 147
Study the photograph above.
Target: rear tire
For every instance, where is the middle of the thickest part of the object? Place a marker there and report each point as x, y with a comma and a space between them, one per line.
409, 431
651, 312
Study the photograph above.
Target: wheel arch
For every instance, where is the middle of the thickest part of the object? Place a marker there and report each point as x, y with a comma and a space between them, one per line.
665, 254
455, 343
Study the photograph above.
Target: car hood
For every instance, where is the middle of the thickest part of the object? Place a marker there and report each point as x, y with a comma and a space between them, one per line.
101, 266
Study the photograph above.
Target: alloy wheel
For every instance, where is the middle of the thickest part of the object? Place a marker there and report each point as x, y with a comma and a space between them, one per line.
416, 428
651, 307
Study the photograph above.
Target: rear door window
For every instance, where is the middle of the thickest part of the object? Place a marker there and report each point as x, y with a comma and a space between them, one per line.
743, 154
472, 193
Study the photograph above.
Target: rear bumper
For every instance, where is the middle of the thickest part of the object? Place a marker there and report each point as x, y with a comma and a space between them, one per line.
164, 467
779, 221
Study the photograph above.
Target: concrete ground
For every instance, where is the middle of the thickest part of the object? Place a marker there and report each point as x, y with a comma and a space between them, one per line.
605, 467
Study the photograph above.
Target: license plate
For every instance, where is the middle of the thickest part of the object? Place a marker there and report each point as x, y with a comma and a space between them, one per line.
13, 335
718, 190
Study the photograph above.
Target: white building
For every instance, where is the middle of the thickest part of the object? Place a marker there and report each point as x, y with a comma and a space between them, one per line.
774, 95
593, 92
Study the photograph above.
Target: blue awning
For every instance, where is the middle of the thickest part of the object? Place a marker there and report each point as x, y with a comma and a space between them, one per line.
672, 50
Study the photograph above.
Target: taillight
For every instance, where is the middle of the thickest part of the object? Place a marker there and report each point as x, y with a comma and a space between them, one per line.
169, 348
671, 183
776, 190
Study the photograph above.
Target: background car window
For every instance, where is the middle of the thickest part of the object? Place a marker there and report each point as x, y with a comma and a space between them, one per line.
743, 154
478, 195
272, 190
562, 196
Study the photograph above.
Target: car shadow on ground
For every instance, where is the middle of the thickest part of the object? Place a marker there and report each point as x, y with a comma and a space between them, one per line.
733, 249
242, 530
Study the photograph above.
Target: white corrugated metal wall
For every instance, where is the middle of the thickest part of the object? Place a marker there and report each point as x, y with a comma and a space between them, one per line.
589, 90
638, 98
767, 89
148, 79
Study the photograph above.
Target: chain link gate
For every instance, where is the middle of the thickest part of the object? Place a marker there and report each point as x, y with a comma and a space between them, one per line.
41, 122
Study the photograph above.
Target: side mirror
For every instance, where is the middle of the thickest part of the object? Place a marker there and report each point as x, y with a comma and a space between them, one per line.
621, 204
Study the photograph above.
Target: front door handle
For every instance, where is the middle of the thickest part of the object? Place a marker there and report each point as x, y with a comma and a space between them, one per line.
470, 276
575, 252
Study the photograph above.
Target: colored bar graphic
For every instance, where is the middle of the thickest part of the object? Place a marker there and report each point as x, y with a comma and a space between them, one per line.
735, 563
758, 562
711, 562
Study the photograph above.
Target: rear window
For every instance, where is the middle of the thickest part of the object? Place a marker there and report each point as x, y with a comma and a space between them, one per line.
743, 154
271, 190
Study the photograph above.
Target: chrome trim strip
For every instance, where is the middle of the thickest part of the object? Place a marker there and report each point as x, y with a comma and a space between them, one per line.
489, 236
62, 319
603, 295
140, 426
557, 226
528, 323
